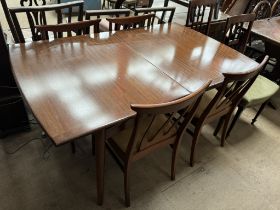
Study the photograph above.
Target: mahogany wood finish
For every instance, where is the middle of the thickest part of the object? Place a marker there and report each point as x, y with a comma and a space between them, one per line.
236, 34
196, 12
79, 28
131, 22
275, 9
268, 29
262, 10
37, 16
152, 130
154, 10
79, 85
222, 106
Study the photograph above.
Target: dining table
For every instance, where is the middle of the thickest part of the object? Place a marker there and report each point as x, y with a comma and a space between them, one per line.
82, 85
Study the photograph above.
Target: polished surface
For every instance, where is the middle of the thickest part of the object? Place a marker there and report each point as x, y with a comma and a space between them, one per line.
187, 56
269, 29
77, 85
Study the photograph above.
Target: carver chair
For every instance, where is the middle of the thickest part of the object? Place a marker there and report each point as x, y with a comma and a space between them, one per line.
220, 103
153, 128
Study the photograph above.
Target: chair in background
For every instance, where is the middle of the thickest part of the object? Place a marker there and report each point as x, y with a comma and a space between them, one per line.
37, 16
236, 33
131, 22
198, 17
262, 10
104, 24
276, 9
220, 103
259, 94
131, 4
154, 127
155, 10
79, 28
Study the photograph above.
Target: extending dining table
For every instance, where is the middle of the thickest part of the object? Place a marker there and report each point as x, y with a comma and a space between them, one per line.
82, 85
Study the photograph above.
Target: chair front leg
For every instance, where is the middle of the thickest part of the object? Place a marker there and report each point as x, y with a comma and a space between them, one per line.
127, 185
259, 112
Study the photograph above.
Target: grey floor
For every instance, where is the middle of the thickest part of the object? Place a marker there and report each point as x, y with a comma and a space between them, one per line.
242, 175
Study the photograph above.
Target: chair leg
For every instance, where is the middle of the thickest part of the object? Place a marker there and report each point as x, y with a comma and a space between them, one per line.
237, 115
259, 112
174, 159
220, 123
73, 147
93, 145
225, 127
194, 141
127, 186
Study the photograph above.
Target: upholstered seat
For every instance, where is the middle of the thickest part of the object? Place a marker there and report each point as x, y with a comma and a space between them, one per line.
122, 138
262, 90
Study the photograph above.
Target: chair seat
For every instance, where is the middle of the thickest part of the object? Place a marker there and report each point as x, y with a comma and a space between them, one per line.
259, 92
122, 138
206, 99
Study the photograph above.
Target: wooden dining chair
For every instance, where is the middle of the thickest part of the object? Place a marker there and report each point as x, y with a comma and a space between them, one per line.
220, 103
198, 17
38, 16
131, 22
275, 9
155, 126
262, 10
237, 31
102, 14
79, 28
163, 11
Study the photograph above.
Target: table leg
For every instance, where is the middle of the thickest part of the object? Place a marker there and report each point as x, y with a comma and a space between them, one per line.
100, 153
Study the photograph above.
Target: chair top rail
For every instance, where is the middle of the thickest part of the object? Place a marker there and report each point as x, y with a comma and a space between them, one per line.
155, 9
107, 12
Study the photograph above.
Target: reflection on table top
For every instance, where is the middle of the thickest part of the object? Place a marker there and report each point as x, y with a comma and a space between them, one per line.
77, 85
269, 29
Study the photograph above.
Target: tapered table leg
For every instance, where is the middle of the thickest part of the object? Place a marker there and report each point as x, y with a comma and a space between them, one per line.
99, 152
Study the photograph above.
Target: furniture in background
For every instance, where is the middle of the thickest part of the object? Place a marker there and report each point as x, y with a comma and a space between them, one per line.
79, 28
197, 15
37, 16
262, 10
237, 31
125, 23
88, 4
163, 11
275, 9
13, 116
153, 128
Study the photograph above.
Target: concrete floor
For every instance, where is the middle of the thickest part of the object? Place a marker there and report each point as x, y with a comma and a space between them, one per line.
242, 175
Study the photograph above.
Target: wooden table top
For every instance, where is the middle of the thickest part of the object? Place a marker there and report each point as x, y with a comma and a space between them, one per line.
269, 29
77, 85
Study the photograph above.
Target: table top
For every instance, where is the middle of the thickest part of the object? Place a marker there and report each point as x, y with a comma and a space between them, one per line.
77, 85
268, 28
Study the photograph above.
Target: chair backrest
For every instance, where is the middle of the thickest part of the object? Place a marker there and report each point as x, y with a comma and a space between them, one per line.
32, 2
231, 92
131, 22
199, 16
106, 12
262, 10
276, 9
36, 15
237, 31
159, 132
155, 10
79, 28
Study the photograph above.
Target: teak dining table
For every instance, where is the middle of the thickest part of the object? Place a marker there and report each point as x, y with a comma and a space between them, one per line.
82, 85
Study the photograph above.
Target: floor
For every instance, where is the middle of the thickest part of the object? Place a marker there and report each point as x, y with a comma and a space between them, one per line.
242, 175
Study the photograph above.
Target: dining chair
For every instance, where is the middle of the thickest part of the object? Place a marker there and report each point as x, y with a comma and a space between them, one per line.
38, 16
262, 10
131, 22
237, 31
155, 10
199, 17
79, 28
276, 9
104, 24
259, 93
220, 103
153, 128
